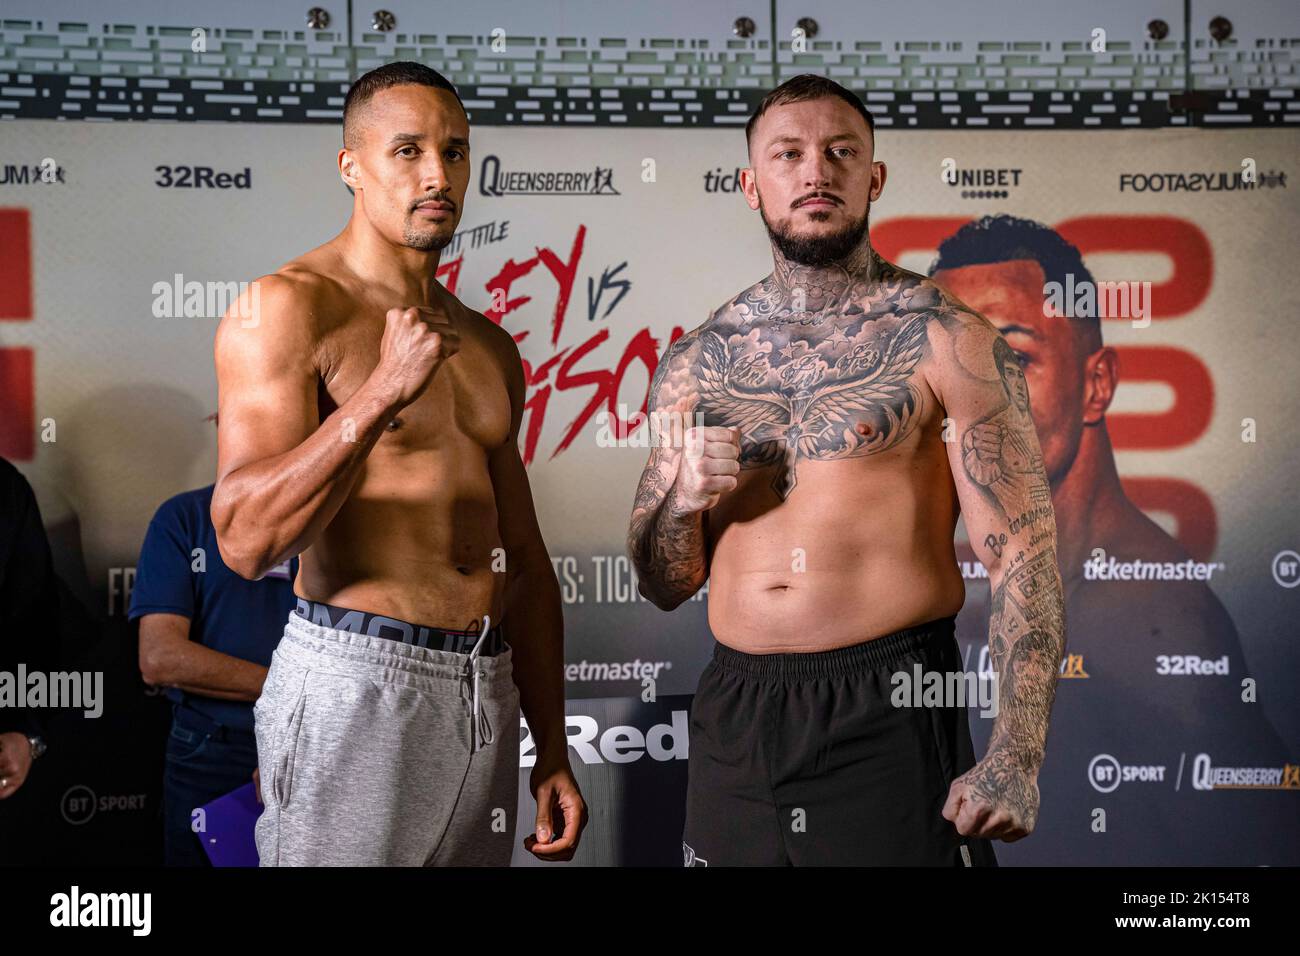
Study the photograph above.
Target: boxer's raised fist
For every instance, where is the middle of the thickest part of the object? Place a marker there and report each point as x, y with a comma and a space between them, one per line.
417, 340
710, 464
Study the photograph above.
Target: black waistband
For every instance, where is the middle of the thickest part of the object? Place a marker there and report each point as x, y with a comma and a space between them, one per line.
377, 625
888, 651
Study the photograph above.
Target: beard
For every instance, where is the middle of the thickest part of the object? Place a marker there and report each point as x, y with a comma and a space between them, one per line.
430, 237
817, 251
425, 241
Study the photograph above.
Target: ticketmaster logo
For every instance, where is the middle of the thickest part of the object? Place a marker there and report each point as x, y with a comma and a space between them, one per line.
1103, 569
616, 670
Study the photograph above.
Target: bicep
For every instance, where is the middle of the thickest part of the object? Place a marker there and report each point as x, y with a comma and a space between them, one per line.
266, 379
993, 449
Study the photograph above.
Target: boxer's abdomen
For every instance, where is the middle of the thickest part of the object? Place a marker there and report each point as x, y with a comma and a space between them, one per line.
862, 547
416, 539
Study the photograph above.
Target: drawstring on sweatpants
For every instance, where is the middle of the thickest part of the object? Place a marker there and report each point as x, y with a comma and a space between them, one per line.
480, 731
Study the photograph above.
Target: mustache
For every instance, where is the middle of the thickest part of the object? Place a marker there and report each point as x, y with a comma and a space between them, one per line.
817, 195
435, 198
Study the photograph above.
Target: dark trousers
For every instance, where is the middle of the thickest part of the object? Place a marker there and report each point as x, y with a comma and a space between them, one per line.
205, 760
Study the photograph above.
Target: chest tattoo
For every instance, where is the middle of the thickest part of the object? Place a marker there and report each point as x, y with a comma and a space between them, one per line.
819, 386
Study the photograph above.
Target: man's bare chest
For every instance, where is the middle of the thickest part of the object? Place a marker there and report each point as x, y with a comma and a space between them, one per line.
467, 397
810, 384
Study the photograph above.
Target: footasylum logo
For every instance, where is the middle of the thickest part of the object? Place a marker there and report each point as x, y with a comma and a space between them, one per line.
494, 181
1205, 181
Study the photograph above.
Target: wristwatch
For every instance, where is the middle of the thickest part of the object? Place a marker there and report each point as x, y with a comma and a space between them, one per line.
38, 746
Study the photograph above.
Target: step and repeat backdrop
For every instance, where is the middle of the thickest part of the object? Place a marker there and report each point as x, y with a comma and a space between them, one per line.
1176, 734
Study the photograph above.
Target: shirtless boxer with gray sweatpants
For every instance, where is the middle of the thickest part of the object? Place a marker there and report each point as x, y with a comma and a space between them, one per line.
368, 422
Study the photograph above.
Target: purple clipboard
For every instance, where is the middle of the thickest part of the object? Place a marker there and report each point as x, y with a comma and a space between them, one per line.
230, 818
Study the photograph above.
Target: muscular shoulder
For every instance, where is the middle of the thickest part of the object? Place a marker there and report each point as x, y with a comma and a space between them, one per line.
285, 310
964, 348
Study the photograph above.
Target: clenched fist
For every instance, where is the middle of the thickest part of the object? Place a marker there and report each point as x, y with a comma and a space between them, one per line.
416, 342
709, 468
996, 800
982, 452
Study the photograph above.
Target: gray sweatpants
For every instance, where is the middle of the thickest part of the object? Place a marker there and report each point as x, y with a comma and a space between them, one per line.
374, 752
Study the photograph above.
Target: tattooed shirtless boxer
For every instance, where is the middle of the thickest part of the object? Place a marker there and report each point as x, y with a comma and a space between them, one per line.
842, 410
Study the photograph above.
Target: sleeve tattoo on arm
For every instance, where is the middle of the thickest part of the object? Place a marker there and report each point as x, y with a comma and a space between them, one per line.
1011, 507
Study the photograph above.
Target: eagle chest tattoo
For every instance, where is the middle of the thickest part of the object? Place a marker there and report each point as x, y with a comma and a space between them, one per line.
803, 386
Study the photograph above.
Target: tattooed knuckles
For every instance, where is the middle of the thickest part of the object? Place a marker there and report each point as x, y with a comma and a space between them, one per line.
995, 799
710, 462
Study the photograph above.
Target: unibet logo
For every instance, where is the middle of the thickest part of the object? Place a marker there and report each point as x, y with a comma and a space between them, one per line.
620, 744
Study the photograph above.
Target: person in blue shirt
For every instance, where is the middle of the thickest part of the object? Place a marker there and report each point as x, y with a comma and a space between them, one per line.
206, 635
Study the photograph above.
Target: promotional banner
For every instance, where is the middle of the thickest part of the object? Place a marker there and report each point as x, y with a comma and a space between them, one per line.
1175, 734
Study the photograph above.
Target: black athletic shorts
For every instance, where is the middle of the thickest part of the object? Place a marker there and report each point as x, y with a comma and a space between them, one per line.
800, 759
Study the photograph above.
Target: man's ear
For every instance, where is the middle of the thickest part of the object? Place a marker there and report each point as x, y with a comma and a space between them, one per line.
879, 173
749, 186
349, 170
1101, 377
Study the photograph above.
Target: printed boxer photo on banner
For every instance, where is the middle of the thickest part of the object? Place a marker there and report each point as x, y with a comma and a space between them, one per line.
1120, 629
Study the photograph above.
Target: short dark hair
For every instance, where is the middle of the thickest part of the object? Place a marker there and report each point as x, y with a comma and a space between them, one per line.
1004, 238
808, 86
401, 73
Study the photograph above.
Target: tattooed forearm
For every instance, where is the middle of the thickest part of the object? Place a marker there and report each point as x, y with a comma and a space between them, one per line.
1027, 642
667, 549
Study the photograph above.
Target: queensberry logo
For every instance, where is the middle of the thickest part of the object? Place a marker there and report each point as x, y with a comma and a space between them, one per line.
494, 181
